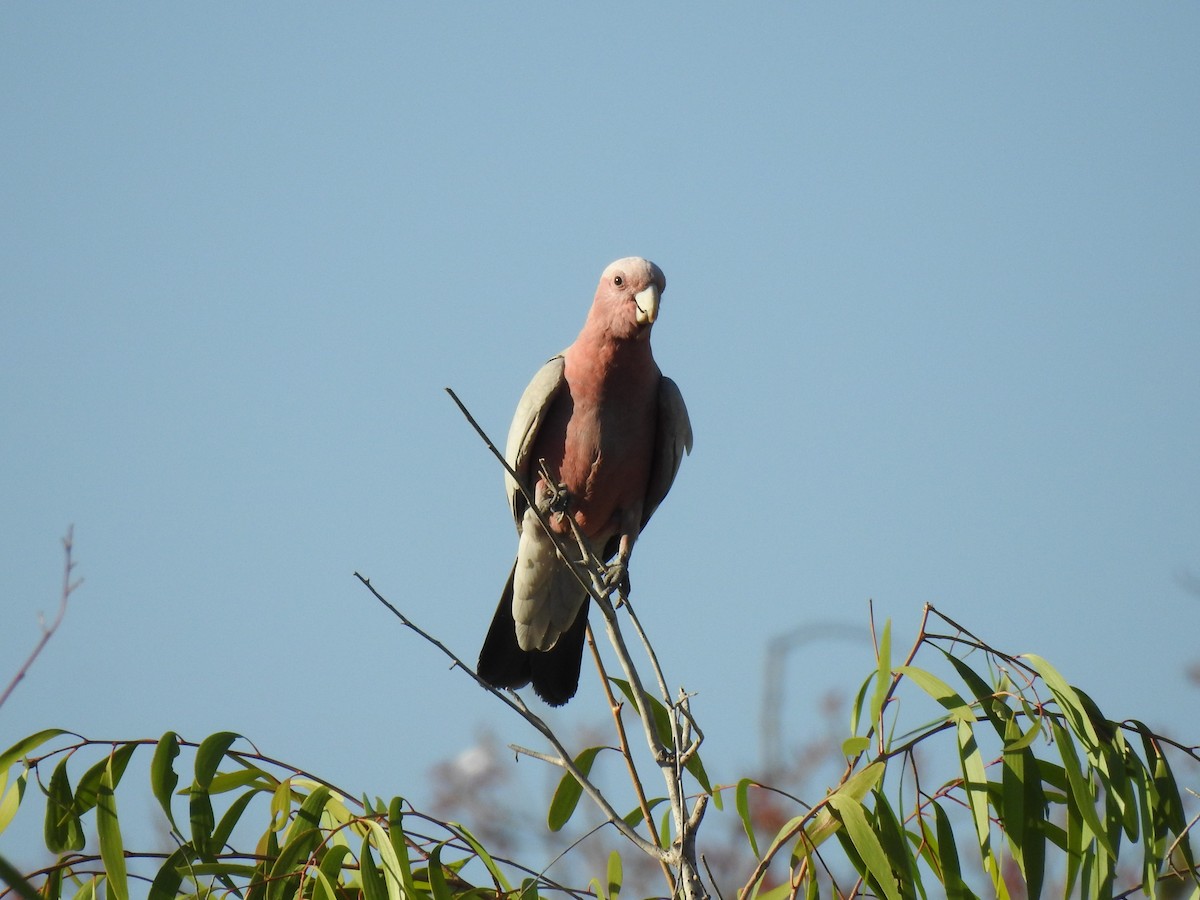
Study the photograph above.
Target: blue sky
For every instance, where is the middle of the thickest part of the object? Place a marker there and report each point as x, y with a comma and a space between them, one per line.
933, 300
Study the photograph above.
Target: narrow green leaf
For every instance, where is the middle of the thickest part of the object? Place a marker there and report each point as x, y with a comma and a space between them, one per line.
400, 844
951, 874
1068, 700
202, 819
883, 676
21, 748
63, 831
437, 876
895, 846
10, 800
993, 707
89, 784
209, 755
858, 829
857, 707
974, 785
224, 782
322, 887
163, 779
87, 890
1022, 810
308, 817
634, 817
15, 880
955, 705
658, 712
824, 824
389, 864
1079, 784
169, 876
742, 800
112, 850
695, 768
615, 875
569, 790
373, 885
502, 883
281, 805
220, 835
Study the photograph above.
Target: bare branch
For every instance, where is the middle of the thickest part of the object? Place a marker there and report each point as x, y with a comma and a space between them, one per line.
68, 588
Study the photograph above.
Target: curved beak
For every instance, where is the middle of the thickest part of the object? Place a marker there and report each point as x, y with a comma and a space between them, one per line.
647, 305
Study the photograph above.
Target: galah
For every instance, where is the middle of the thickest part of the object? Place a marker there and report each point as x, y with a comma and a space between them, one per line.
610, 430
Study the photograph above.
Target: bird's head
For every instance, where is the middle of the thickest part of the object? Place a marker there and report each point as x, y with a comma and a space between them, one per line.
628, 296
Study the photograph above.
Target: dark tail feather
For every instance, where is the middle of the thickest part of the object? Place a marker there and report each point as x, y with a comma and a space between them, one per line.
502, 662
554, 673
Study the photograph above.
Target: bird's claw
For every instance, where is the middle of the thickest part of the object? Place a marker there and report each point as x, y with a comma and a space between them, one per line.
616, 579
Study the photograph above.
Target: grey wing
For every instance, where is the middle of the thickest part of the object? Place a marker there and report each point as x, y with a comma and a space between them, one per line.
673, 438
531, 410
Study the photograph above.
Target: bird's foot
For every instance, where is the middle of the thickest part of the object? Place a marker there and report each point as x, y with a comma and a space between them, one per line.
616, 579
552, 495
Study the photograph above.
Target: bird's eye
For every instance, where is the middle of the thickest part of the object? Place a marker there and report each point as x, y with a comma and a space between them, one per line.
618, 280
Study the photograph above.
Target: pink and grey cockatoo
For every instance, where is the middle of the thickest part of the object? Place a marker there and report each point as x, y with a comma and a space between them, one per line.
611, 430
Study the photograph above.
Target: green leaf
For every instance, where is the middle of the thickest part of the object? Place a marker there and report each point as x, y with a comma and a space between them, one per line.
63, 831
569, 790
89, 784
857, 706
892, 838
87, 890
742, 795
10, 800
308, 817
437, 877
1079, 784
389, 866
658, 712
202, 819
170, 876
959, 709
21, 748
824, 824
695, 768
163, 779
209, 755
323, 887
112, 850
1068, 701
230, 781
993, 707
1022, 810
635, 818
373, 885
15, 880
883, 676
220, 835
853, 746
400, 844
850, 812
615, 875
956, 888
502, 883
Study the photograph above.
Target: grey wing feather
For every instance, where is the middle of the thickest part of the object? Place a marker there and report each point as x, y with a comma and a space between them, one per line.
673, 438
531, 411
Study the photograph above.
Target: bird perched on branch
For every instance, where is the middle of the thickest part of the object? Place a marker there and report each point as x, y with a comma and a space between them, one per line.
610, 430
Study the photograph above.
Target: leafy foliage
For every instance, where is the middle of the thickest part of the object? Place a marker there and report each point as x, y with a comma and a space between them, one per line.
1039, 794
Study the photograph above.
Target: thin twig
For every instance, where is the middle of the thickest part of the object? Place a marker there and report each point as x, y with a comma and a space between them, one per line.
514, 702
68, 588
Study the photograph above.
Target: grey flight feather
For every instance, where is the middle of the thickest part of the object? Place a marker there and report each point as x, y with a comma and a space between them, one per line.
535, 402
